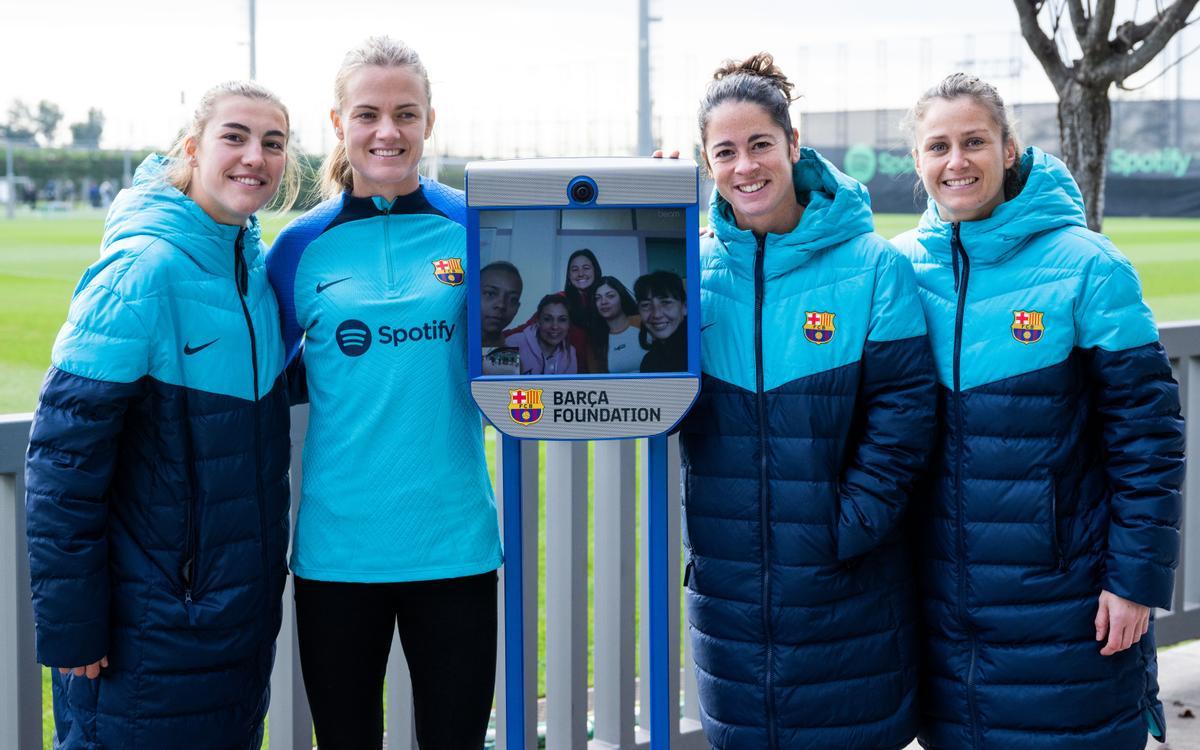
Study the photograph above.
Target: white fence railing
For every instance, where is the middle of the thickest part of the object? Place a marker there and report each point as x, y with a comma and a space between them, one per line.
619, 519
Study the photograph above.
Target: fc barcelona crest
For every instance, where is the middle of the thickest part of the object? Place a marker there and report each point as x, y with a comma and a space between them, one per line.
1027, 326
449, 271
818, 327
525, 405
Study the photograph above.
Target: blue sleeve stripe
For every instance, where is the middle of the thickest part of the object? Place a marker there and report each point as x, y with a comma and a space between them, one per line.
446, 199
284, 258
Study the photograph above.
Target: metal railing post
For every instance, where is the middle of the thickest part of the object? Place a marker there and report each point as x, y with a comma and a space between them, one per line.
20, 676
566, 595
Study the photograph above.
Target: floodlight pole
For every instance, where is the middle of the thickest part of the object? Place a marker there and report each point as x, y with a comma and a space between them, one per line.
252, 42
645, 143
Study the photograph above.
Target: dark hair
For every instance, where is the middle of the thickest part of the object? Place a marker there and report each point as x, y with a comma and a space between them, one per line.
657, 284
598, 333
581, 305
756, 79
551, 299
585, 252
628, 303
501, 265
985, 95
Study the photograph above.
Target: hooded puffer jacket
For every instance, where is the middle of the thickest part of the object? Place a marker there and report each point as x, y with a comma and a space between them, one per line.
816, 414
157, 483
1057, 476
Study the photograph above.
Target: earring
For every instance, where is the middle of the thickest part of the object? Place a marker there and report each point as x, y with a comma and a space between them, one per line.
193, 161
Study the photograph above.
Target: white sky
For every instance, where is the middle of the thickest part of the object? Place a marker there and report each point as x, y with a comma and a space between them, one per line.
510, 77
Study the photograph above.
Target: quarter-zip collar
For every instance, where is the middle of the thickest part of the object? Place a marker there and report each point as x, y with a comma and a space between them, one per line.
837, 209
152, 206
409, 203
1050, 199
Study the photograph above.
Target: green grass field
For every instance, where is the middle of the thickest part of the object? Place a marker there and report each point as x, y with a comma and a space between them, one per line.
42, 257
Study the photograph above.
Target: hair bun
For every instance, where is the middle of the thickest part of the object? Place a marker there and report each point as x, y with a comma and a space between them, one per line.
761, 65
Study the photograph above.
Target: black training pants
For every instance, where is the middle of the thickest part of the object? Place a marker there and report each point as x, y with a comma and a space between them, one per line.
448, 632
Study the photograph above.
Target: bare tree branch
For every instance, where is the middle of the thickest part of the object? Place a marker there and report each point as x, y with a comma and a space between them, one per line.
1042, 46
1130, 34
1171, 21
1079, 19
1098, 27
1121, 85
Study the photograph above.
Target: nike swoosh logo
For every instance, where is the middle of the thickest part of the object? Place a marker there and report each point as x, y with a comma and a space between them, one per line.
706, 326
323, 287
190, 350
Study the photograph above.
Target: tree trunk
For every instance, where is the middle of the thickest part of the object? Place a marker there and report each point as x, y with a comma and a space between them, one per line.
1084, 120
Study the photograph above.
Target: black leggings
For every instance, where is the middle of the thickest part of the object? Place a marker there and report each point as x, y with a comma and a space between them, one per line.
448, 632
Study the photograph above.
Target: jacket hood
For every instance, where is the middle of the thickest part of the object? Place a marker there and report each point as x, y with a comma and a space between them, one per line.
153, 207
1049, 199
837, 209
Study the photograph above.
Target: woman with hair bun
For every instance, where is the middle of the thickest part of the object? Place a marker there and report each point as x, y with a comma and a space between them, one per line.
397, 524
815, 416
1052, 527
157, 475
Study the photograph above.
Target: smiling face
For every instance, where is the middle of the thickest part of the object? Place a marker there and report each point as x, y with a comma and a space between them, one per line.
384, 122
553, 324
961, 157
661, 315
608, 302
238, 159
581, 272
750, 158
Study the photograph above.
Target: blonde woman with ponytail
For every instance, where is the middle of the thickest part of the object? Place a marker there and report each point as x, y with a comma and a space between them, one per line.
397, 525
815, 416
157, 475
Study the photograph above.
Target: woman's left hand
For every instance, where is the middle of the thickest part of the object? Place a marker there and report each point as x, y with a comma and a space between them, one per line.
1121, 621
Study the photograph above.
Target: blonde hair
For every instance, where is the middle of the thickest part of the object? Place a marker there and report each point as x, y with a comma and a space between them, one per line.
985, 95
179, 173
381, 51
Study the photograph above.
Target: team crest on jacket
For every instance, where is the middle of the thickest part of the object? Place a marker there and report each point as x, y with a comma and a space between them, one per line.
525, 405
1027, 326
818, 327
449, 271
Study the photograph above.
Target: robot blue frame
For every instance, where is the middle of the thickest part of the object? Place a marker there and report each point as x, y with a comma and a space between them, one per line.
663, 707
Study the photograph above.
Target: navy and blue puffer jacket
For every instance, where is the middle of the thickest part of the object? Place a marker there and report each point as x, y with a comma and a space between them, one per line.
1057, 476
816, 414
157, 483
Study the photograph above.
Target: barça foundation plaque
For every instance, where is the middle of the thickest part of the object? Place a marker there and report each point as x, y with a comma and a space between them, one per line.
584, 324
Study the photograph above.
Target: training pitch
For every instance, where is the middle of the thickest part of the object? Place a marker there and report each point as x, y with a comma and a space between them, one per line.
42, 257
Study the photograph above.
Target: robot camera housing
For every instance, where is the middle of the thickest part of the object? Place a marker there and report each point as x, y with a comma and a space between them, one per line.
582, 190
583, 295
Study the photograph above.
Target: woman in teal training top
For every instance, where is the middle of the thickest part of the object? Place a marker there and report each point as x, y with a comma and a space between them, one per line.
397, 523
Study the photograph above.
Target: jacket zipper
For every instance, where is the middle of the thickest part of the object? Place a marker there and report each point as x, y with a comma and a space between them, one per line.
763, 495
242, 274
189, 559
960, 286
387, 248
1060, 561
